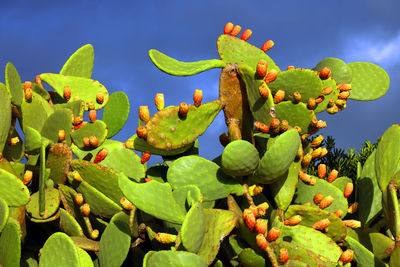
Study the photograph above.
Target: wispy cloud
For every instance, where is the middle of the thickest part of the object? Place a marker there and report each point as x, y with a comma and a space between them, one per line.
373, 48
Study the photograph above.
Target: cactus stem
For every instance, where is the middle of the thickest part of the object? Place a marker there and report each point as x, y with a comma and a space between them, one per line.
247, 194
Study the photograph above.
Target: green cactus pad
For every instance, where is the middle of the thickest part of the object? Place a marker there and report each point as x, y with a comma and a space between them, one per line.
362, 255
141, 145
116, 112
146, 197
4, 212
167, 130
10, 244
305, 194
80, 63
169, 258
97, 128
234, 50
341, 182
119, 158
59, 250
284, 188
295, 114
193, 228
276, 161
16, 152
84, 88
193, 150
369, 195
311, 214
5, 119
158, 173
219, 223
58, 161
84, 258
209, 177
52, 197
390, 205
311, 239
261, 108
100, 204
341, 72
186, 196
304, 81
69, 225
249, 258
12, 190
115, 241
33, 140
369, 81
333, 95
178, 68
14, 85
86, 244
28, 259
40, 91
59, 120
387, 156
395, 257
379, 244
77, 107
102, 178
236, 243
239, 158
301, 254
35, 112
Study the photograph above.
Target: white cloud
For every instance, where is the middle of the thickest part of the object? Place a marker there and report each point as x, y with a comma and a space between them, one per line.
385, 52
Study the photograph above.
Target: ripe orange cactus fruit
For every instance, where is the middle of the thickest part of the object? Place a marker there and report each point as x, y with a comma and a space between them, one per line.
273, 234
326, 202
261, 68
197, 97
228, 28
325, 73
262, 241
267, 45
348, 189
236, 30
246, 34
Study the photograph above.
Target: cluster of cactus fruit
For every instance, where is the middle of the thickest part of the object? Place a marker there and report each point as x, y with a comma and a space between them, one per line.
72, 196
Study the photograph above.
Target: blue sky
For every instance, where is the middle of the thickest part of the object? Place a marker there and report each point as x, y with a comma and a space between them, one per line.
39, 36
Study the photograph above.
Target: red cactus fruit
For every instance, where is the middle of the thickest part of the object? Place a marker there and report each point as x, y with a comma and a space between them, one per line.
332, 176
353, 208
344, 87
321, 171
267, 45
296, 97
344, 95
197, 97
148, 180
321, 224
27, 177
224, 139
28, 94
325, 73
77, 120
86, 141
144, 113
261, 241
100, 98
246, 35
141, 132
27, 85
271, 76
145, 157
79, 199
333, 109
61, 135
352, 223
126, 204
261, 226
249, 219
327, 90
254, 210
279, 96
284, 126
291, 67
273, 234
283, 255
183, 109
321, 124
339, 213
317, 141
92, 115
319, 99
264, 91
311, 104
93, 141
274, 123
347, 256
236, 30
262, 209
76, 127
165, 238
292, 221
317, 198
67, 93
264, 128
348, 189
85, 208
308, 179
101, 155
159, 101
326, 202
228, 28
261, 68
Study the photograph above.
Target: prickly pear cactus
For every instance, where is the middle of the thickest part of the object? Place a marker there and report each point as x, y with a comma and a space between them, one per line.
72, 196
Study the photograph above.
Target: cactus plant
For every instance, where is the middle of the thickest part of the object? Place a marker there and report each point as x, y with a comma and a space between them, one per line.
75, 197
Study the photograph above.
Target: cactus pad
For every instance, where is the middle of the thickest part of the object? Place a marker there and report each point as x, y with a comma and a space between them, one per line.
12, 190
172, 259
239, 158
4, 212
97, 128
276, 161
209, 177
193, 228
178, 68
59, 120
249, 258
52, 203
168, 130
33, 140
58, 161
116, 112
362, 255
84, 88
295, 114
16, 152
333, 95
59, 250
5, 119
10, 244
13, 84
341, 72
80, 63
69, 225
369, 81
35, 112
